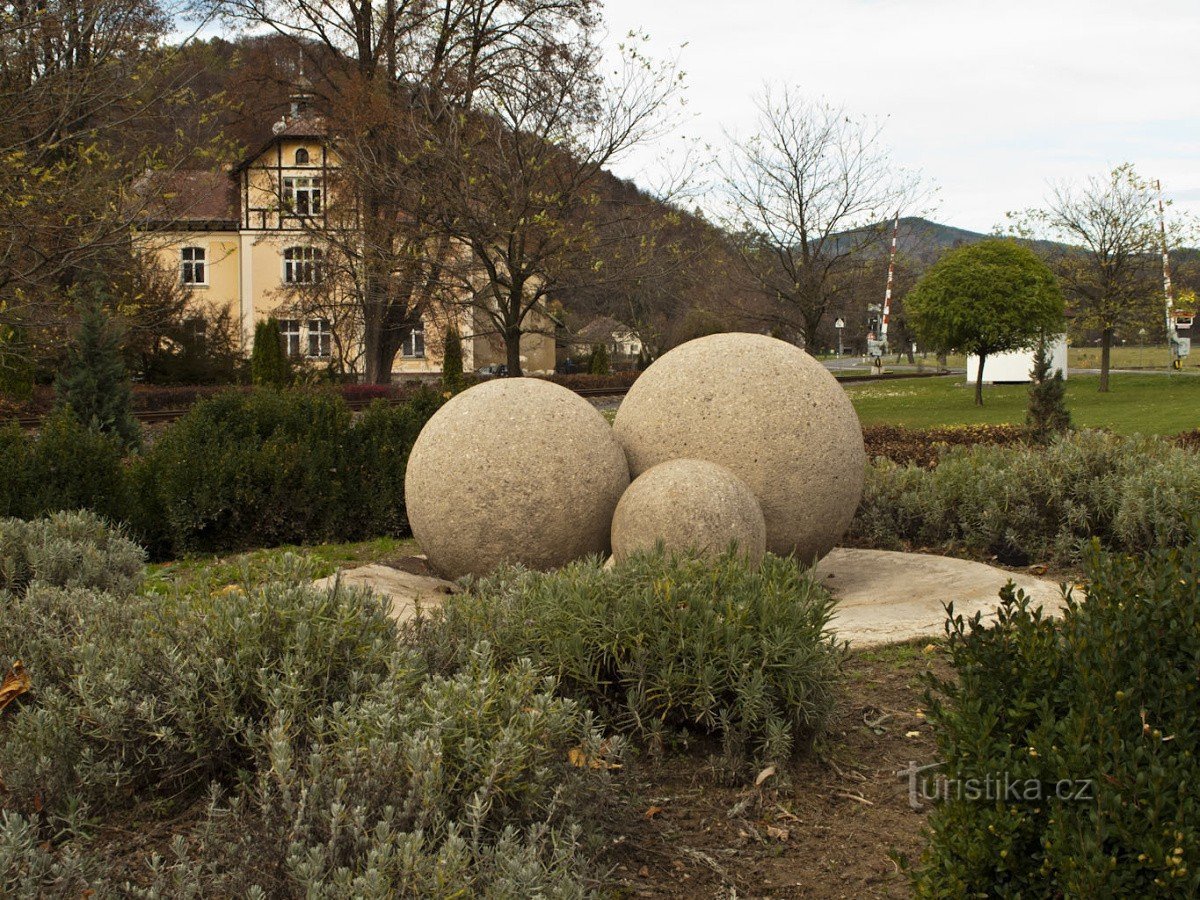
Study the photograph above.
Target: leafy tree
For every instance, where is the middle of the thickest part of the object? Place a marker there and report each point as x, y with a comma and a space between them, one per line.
452, 361
1048, 414
94, 384
598, 363
992, 297
269, 364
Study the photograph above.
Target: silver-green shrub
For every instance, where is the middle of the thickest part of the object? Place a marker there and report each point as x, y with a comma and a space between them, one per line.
669, 642
1025, 504
68, 549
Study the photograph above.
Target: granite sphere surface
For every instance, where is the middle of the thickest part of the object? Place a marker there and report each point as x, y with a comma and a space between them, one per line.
689, 504
769, 413
513, 470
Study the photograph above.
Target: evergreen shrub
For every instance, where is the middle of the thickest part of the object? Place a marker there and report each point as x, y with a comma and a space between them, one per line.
666, 644
1105, 702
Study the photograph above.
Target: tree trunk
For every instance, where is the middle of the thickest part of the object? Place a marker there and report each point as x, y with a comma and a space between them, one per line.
979, 380
1106, 338
512, 347
943, 363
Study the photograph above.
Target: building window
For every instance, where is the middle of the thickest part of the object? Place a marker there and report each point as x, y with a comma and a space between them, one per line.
302, 195
320, 339
414, 343
191, 266
302, 157
302, 265
289, 331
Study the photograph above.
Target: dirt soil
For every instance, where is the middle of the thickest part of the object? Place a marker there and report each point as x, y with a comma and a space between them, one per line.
826, 828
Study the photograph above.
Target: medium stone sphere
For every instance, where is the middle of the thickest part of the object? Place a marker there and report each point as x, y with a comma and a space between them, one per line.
689, 504
513, 470
769, 413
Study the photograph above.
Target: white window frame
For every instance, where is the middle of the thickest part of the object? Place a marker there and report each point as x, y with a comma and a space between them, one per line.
187, 266
302, 195
413, 346
320, 334
303, 264
289, 333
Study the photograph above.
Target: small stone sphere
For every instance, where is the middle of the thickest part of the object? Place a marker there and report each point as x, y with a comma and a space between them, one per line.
689, 504
513, 470
769, 413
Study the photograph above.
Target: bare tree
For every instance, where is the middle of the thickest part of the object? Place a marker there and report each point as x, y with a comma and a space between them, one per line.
524, 190
389, 74
808, 195
79, 90
1107, 260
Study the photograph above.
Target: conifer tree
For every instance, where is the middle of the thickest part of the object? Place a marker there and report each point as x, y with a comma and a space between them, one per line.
1048, 414
598, 365
94, 384
452, 362
269, 364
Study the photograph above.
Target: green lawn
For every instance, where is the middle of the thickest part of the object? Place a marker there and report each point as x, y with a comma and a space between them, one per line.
255, 567
1150, 404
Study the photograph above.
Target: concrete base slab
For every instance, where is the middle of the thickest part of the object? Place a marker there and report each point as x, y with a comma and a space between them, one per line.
405, 590
886, 597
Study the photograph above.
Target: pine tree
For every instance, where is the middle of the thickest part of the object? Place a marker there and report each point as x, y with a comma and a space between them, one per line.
598, 364
269, 364
1048, 414
452, 362
94, 385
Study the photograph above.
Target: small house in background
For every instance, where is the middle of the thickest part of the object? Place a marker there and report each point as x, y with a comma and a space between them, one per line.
1016, 367
621, 341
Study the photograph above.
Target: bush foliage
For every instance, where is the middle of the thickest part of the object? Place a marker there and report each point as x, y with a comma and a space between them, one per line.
1106, 696
314, 755
667, 643
1025, 504
240, 469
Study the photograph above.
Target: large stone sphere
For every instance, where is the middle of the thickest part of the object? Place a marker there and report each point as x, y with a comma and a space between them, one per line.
689, 504
513, 470
769, 413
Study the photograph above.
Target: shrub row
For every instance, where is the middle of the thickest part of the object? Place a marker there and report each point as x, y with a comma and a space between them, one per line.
1103, 702
1025, 504
241, 469
663, 645
323, 758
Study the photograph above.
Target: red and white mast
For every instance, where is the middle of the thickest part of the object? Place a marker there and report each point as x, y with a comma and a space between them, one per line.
1168, 292
887, 294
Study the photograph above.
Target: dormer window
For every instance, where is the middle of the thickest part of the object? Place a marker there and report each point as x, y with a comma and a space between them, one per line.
302, 195
302, 157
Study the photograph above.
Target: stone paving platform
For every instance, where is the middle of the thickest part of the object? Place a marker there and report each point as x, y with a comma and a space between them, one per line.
885, 597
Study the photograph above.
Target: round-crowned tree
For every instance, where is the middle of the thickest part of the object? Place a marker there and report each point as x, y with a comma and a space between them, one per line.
987, 298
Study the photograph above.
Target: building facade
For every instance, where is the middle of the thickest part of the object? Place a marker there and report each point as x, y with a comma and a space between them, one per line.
247, 241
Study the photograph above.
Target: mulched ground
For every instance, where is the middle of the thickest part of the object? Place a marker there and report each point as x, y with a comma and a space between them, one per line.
826, 829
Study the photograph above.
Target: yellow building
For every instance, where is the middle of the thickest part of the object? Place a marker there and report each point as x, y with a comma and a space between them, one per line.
247, 241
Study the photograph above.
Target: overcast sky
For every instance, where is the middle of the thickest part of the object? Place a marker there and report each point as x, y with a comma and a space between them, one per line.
991, 100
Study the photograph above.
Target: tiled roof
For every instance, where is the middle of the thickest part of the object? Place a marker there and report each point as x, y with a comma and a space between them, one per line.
188, 195
601, 330
308, 126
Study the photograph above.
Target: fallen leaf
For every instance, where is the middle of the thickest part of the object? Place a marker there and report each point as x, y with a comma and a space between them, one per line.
15, 683
778, 832
644, 871
764, 775
579, 758
912, 734
1038, 569
653, 812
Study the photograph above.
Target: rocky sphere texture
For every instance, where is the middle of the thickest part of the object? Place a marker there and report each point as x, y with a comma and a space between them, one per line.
769, 413
513, 470
689, 504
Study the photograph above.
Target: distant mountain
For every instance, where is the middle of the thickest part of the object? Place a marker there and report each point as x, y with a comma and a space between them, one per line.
923, 241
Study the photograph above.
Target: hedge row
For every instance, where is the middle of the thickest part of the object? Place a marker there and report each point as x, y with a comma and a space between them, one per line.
1026, 504
241, 469
923, 446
